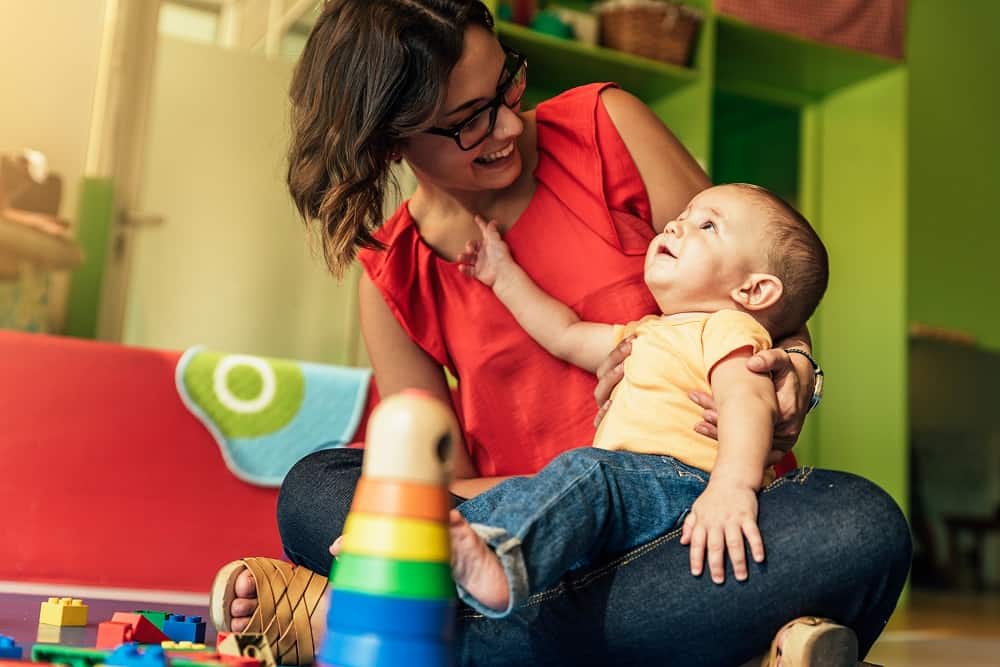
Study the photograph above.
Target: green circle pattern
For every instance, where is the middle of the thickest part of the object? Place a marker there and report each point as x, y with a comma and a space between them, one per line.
245, 383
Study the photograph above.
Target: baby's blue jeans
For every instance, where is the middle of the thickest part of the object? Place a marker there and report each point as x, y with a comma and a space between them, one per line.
586, 505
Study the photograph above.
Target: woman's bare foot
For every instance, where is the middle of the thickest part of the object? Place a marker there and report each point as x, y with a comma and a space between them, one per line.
245, 604
475, 567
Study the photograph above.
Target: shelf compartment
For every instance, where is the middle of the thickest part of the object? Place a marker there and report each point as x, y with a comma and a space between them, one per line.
556, 64
785, 68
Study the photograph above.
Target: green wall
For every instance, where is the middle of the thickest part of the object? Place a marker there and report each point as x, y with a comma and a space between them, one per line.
861, 337
756, 142
953, 51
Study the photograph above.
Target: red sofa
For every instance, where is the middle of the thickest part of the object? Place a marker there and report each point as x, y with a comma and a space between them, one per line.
106, 479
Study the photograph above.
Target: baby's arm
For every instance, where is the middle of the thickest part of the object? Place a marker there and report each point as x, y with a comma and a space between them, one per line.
726, 511
747, 410
552, 324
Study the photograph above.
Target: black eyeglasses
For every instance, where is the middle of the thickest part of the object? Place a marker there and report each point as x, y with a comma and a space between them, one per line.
473, 131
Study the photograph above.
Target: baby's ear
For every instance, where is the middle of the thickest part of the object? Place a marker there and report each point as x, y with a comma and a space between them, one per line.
758, 292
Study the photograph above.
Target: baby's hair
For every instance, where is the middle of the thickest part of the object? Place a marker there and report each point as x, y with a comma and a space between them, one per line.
797, 256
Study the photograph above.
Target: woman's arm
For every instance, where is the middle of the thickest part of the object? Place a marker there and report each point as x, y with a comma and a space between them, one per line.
671, 175
400, 364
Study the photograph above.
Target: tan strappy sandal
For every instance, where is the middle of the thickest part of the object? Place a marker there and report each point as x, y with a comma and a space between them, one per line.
810, 641
287, 596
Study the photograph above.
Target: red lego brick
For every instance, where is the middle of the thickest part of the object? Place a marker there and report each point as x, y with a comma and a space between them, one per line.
112, 633
143, 631
239, 661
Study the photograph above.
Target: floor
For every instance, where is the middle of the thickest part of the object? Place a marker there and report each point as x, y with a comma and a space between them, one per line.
933, 630
941, 629
19, 617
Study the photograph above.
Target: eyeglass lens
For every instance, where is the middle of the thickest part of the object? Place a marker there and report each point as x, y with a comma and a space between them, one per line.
476, 129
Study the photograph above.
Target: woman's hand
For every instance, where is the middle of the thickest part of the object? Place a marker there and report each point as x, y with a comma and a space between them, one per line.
793, 384
609, 374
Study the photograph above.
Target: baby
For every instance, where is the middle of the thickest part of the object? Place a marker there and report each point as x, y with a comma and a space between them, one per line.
736, 270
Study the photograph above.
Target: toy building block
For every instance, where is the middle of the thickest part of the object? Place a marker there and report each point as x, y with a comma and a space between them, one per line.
73, 656
63, 611
67, 655
154, 617
9, 648
143, 631
396, 537
113, 633
128, 655
184, 646
373, 650
239, 661
58, 634
409, 499
392, 598
248, 645
395, 578
383, 615
413, 435
184, 628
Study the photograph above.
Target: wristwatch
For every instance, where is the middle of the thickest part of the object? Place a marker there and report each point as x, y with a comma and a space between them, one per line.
817, 371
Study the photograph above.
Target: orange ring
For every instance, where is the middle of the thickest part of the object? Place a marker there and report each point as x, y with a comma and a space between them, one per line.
397, 498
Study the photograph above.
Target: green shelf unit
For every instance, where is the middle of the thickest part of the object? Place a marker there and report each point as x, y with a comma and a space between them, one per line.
556, 64
784, 68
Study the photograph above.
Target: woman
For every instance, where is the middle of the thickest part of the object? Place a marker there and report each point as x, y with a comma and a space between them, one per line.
579, 186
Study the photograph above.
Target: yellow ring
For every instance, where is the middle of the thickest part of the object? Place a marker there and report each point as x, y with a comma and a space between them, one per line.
396, 538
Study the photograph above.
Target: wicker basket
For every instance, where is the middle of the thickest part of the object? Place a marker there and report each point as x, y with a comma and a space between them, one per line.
654, 29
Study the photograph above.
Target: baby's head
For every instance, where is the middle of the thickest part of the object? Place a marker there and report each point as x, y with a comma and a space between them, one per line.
739, 246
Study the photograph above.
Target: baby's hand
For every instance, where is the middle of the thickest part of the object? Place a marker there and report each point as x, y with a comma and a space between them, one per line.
719, 519
486, 258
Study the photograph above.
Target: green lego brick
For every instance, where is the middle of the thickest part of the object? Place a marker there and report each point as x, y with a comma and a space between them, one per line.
74, 656
154, 617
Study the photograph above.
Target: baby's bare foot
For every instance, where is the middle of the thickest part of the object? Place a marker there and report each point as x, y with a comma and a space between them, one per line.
475, 567
245, 603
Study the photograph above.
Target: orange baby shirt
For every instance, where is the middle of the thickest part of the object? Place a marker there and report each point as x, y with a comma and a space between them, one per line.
650, 410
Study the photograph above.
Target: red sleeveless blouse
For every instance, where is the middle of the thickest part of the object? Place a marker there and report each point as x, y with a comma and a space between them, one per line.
582, 238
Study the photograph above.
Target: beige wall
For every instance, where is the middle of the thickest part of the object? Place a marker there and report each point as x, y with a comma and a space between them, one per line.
48, 70
230, 266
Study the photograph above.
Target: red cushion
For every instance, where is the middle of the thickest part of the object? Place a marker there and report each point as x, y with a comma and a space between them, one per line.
107, 479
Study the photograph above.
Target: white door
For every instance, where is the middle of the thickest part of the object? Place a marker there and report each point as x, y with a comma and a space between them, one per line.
230, 265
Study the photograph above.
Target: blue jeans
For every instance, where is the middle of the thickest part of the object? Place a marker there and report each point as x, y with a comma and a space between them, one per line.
586, 505
837, 546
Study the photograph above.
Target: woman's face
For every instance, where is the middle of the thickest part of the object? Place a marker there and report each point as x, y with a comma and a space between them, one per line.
496, 162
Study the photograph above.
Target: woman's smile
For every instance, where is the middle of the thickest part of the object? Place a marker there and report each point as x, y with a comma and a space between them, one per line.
496, 157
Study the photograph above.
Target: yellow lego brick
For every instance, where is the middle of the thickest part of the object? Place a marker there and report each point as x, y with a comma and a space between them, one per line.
182, 646
63, 612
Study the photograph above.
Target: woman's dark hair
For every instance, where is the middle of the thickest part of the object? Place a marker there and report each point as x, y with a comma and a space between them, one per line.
372, 73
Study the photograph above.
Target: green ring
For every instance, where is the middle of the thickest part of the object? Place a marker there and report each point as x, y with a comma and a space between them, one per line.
392, 578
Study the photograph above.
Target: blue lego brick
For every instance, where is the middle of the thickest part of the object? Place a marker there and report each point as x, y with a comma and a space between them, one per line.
128, 655
9, 649
368, 650
182, 628
400, 618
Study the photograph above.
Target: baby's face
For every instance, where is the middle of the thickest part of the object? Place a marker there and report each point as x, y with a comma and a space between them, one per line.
711, 248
